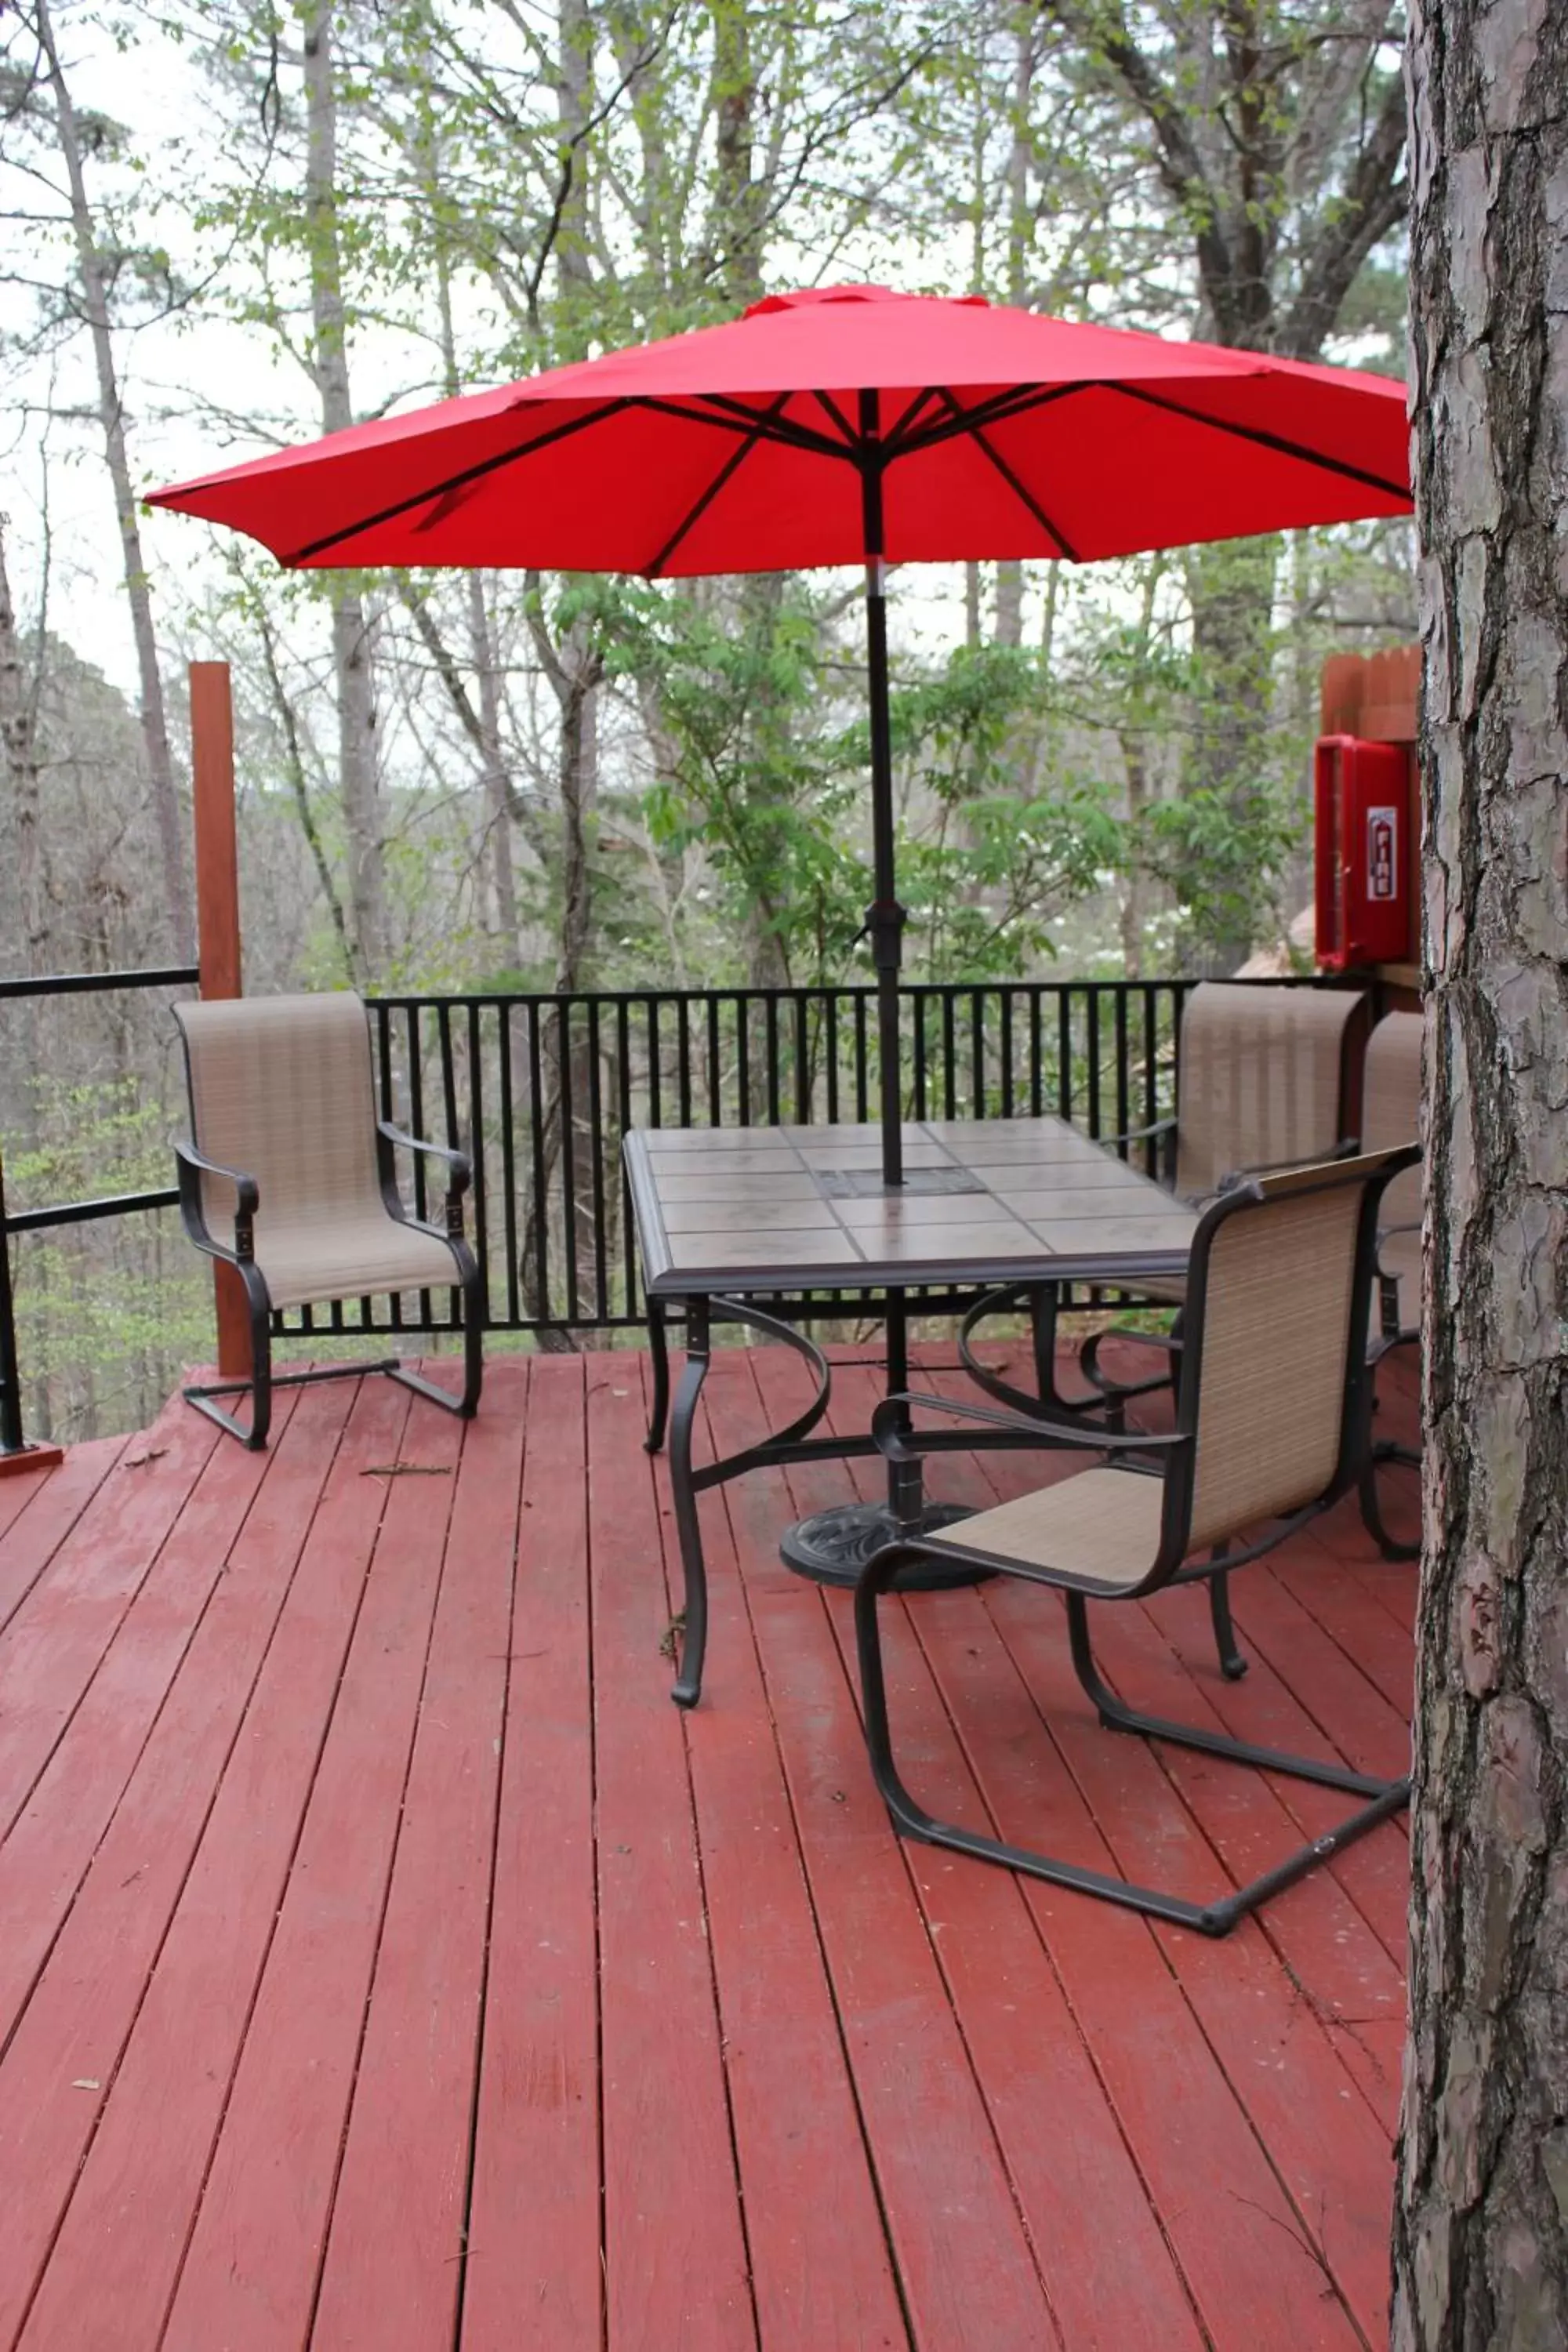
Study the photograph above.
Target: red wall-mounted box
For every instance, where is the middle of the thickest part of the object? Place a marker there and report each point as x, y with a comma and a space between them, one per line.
1364, 800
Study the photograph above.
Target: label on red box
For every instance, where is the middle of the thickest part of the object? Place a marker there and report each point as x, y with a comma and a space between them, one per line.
1382, 853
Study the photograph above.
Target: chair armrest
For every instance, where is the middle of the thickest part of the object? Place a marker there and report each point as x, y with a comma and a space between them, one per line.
1163, 1130
1346, 1149
1137, 1134
897, 1443
192, 1166
460, 1171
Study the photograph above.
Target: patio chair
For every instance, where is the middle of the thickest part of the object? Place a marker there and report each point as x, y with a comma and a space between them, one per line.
1390, 1117
288, 1155
1272, 1427
1262, 1083
1391, 1114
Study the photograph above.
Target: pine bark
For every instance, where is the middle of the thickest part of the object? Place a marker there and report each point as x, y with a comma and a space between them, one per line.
1480, 2243
94, 277
357, 753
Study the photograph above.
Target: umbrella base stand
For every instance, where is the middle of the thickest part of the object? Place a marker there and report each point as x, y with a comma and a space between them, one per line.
832, 1547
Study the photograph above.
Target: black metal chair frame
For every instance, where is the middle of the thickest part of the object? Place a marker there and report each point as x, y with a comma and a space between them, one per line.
1391, 1334
192, 1166
1176, 1452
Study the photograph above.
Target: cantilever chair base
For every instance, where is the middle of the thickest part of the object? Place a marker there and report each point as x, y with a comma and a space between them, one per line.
1262, 1445
203, 1395
1384, 1798
1391, 1547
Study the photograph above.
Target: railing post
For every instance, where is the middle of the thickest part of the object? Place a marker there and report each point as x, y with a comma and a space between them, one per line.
16, 1453
217, 928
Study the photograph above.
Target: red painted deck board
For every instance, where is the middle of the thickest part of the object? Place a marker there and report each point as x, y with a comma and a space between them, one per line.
393, 2261
534, 2231
52, 1502
797, 2140
676, 2268
390, 1965
251, 2271
1103, 1801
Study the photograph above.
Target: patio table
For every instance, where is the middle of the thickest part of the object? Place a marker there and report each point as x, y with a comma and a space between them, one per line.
726, 1217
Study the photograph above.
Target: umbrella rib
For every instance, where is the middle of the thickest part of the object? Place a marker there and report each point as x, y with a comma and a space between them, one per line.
1000, 409
893, 439
731, 466
458, 481
1020, 491
825, 400
734, 416
1267, 441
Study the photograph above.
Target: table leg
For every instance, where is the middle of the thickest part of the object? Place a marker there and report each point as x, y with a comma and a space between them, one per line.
693, 1633
658, 1350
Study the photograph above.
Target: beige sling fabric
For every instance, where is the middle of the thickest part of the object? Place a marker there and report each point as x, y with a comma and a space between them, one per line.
1275, 1343
1391, 1114
1275, 1349
1103, 1525
281, 1088
1260, 1079
1261, 1085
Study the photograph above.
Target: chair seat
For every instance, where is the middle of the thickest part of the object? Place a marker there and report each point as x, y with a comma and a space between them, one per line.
1101, 1527
349, 1257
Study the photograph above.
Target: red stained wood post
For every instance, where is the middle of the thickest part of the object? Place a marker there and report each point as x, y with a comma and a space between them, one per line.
217, 927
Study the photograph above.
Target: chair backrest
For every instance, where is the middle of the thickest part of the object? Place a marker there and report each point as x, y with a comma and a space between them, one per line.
281, 1088
1262, 1079
1274, 1356
1391, 1114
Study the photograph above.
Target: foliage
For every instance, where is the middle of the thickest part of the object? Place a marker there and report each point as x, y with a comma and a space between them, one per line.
550, 782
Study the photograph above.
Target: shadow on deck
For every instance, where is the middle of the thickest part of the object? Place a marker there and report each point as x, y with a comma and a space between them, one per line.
388, 1964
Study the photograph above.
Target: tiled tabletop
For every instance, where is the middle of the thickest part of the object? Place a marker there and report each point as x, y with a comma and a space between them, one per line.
787, 1207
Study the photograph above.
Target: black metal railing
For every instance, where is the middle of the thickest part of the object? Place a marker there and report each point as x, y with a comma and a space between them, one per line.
540, 1089
64, 1212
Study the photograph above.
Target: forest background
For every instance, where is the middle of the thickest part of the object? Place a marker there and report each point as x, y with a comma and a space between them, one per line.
227, 225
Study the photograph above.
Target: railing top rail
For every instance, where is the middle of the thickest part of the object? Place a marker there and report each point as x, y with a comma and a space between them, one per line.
85, 984
83, 1212
742, 992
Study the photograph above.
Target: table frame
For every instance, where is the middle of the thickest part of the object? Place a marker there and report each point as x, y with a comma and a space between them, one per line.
729, 1293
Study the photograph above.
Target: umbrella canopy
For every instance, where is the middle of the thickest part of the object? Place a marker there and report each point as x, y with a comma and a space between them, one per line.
848, 425
754, 446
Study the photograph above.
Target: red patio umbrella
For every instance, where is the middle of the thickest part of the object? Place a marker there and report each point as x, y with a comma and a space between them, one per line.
845, 426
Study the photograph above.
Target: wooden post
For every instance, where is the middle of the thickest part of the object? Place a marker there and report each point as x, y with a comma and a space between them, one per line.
217, 928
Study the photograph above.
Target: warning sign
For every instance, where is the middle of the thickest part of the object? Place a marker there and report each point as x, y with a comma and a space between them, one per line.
1382, 852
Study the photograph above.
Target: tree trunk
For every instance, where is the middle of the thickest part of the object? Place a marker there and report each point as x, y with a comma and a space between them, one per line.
166, 809
22, 907
24, 928
1231, 589
494, 781
1480, 2244
351, 666
1020, 231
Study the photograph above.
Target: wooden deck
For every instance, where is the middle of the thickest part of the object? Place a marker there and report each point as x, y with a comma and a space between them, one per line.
387, 1964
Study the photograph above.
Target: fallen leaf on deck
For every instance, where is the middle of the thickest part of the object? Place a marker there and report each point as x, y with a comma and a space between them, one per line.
409, 1470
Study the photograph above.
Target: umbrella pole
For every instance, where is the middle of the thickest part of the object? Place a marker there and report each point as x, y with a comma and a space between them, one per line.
884, 916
